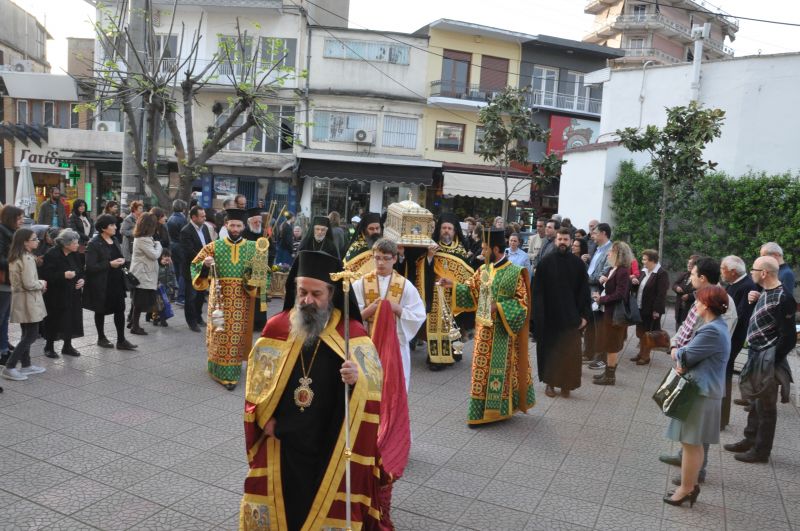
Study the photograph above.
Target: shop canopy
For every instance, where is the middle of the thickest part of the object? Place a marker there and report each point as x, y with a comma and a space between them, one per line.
32, 86
487, 186
362, 167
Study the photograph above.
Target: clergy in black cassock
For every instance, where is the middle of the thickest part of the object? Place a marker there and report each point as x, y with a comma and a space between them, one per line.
561, 308
320, 238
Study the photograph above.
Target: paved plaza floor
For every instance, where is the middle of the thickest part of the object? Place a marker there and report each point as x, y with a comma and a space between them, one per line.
145, 440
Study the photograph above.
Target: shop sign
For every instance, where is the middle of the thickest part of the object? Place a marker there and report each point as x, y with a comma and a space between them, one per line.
225, 185
42, 158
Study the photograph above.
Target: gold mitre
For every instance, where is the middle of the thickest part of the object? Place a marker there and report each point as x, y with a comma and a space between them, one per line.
409, 224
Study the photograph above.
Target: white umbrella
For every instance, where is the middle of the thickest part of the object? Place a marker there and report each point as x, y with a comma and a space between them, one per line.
26, 193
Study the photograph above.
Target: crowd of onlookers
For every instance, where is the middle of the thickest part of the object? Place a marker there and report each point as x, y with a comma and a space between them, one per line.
721, 307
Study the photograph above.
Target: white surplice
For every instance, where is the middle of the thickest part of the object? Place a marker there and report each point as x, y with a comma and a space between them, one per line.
410, 320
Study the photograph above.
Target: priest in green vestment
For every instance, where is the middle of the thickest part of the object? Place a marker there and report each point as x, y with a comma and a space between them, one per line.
499, 293
241, 272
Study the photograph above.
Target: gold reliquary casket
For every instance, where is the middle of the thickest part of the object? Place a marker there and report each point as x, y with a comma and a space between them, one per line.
409, 224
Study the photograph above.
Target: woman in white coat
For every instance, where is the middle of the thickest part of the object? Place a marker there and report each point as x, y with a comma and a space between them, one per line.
144, 266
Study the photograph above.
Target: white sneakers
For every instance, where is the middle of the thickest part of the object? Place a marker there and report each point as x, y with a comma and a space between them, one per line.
21, 374
13, 374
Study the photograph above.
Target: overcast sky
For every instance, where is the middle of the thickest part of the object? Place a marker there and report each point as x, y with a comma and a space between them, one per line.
560, 18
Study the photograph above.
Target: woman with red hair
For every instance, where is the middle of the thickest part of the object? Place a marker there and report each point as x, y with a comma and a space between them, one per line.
703, 361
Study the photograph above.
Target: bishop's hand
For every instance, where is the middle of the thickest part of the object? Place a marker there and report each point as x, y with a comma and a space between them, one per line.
269, 428
349, 372
445, 282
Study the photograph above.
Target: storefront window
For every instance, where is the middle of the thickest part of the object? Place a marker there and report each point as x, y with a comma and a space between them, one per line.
348, 198
394, 194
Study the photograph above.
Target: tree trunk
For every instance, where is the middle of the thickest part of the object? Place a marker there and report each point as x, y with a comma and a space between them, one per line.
663, 219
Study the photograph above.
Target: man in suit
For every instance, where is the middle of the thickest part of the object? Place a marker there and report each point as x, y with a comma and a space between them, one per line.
734, 272
194, 236
598, 266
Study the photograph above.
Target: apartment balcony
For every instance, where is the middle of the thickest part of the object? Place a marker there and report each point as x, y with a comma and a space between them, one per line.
457, 94
594, 7
641, 55
564, 102
653, 22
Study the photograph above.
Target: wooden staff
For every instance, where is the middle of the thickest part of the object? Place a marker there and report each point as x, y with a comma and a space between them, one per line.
346, 277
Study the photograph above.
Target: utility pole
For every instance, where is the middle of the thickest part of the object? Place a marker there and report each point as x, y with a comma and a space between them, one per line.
131, 180
699, 34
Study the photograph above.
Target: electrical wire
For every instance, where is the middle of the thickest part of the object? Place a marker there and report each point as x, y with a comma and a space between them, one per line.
362, 58
721, 14
431, 52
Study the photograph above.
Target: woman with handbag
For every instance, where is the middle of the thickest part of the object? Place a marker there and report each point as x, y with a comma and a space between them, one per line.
104, 292
616, 291
651, 295
144, 266
702, 361
64, 274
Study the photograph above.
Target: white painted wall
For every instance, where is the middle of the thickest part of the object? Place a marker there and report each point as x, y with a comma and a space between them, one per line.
757, 93
759, 134
356, 76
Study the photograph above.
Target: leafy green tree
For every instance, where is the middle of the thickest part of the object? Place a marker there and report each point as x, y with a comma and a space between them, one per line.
168, 83
676, 152
508, 126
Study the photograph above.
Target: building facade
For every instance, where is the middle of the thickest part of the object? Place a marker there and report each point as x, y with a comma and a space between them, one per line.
363, 146
23, 40
659, 32
467, 65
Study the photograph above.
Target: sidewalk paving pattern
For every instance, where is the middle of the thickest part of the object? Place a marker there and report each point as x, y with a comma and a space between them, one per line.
145, 440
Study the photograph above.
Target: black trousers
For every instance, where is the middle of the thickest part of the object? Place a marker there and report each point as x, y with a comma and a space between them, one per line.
725, 417
193, 307
761, 421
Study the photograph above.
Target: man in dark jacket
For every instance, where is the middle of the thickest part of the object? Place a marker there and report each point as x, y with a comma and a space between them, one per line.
52, 212
771, 326
193, 237
175, 223
734, 272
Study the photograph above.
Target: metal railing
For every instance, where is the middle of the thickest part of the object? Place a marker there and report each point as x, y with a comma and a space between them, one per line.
564, 102
655, 53
445, 88
657, 18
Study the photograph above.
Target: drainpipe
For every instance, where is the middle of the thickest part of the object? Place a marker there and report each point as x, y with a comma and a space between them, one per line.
641, 92
699, 34
308, 76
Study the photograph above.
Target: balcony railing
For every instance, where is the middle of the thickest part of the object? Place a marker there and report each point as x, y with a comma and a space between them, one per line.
653, 53
650, 19
445, 88
564, 102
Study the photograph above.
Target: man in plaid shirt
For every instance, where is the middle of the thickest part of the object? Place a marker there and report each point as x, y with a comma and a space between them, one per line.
706, 272
771, 325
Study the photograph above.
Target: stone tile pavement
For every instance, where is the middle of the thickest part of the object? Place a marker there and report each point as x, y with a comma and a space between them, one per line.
145, 440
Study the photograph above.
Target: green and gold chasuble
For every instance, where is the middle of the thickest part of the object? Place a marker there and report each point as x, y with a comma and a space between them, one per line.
228, 347
359, 257
501, 373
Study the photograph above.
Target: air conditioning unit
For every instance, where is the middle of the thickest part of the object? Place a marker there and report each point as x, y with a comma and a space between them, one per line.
362, 136
23, 65
106, 126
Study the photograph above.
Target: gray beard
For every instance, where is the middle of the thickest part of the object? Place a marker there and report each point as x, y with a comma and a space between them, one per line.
319, 240
308, 321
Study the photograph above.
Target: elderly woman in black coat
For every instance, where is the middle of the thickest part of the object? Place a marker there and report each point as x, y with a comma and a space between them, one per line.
62, 270
105, 287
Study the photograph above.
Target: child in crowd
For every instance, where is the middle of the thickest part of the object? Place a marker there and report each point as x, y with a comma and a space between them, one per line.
27, 303
167, 285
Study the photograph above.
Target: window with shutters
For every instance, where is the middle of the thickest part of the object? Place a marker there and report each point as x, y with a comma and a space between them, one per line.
332, 126
480, 132
399, 132
49, 113
494, 74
